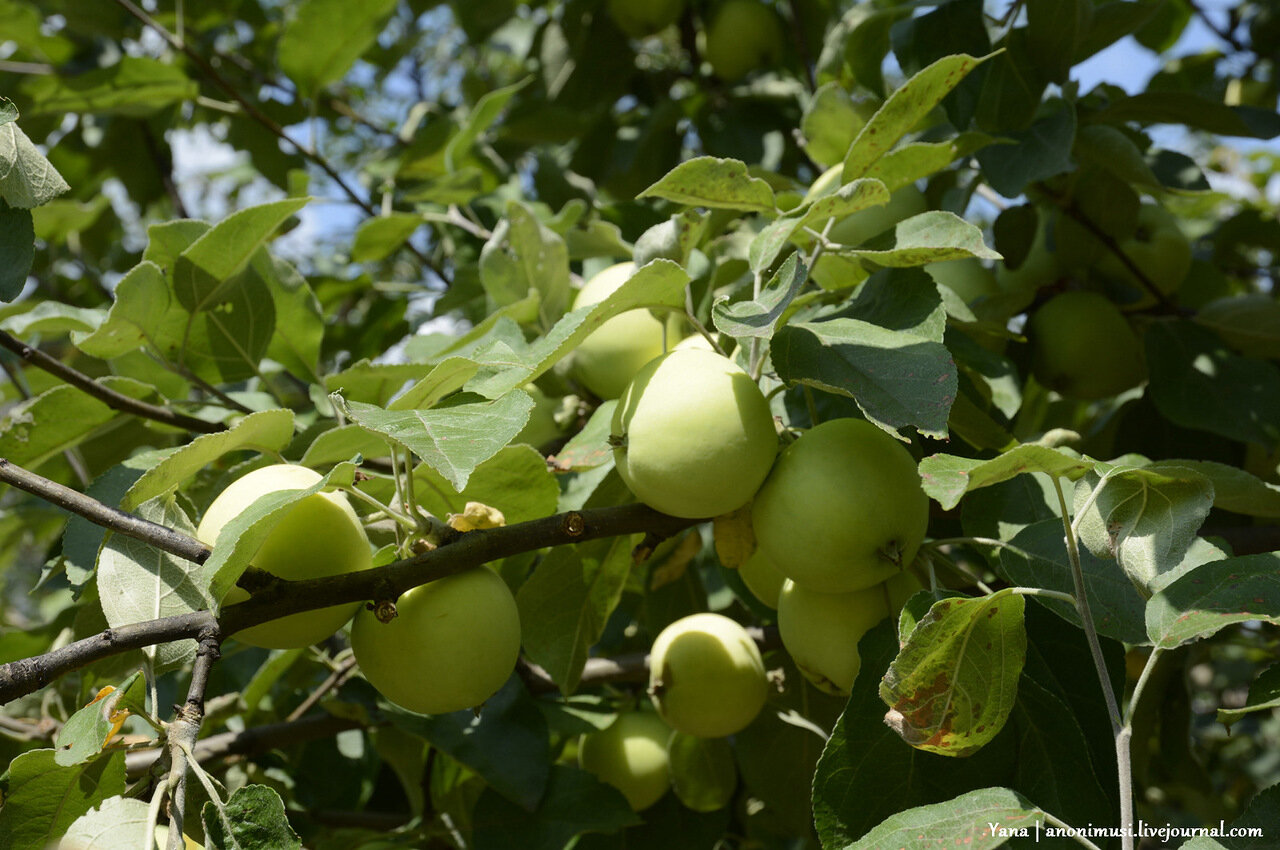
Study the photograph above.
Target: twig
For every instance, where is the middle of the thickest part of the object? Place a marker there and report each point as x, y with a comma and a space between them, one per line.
1114, 247
104, 394
343, 672
1225, 35
164, 168
183, 731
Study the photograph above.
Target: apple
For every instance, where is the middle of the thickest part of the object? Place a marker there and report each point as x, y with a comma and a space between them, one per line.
762, 578
693, 435
606, 361
639, 18
542, 426
452, 645
967, 278
843, 508
1039, 268
706, 676
319, 536
630, 755
744, 36
1082, 347
703, 772
1158, 248
858, 227
821, 631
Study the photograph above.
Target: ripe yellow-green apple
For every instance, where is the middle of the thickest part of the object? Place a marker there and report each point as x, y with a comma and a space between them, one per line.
1158, 248
821, 631
744, 36
318, 536
842, 509
968, 278
639, 18
452, 645
898, 589
630, 755
693, 435
706, 676
607, 360
704, 774
1082, 347
762, 578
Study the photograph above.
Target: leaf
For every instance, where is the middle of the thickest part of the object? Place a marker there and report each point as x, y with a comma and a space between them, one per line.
119, 823
299, 325
480, 118
566, 603
523, 256
202, 270
1037, 557
324, 38
1144, 518
706, 181
81, 539
589, 448
575, 802
8, 111
1236, 490
59, 418
43, 798
904, 109
257, 821
141, 302
1193, 110
88, 730
1264, 695
946, 478
377, 238
930, 237
951, 688
515, 481
53, 318
965, 820
266, 431
135, 86
1056, 30
375, 383
27, 178
1249, 323
884, 351
138, 582
1213, 596
759, 318
343, 443
910, 162
17, 247
849, 198
506, 742
830, 123
1036, 153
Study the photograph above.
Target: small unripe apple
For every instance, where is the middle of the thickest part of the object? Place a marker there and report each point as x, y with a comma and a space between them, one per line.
1158, 248
1083, 347
607, 360
452, 644
744, 36
821, 631
706, 676
639, 18
631, 755
319, 536
843, 508
693, 435
704, 774
762, 578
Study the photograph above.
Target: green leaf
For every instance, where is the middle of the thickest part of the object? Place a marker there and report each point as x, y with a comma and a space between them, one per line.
17, 247
377, 238
589, 448
1248, 323
1056, 29
87, 731
1213, 596
507, 744
57, 220
1106, 147
1193, 110
255, 820
849, 198
760, 317
830, 123
910, 162
135, 317
1036, 153
1236, 490
299, 325
479, 119
1012, 86
524, 255
516, 481
120, 823
50, 317
1114, 20
135, 86
445, 378
452, 440
574, 803
82, 539
965, 820
946, 478
138, 582
202, 270
1037, 557
706, 181
904, 109
8, 111
566, 603
325, 38
27, 178
1264, 695
376, 383
343, 443
930, 237
44, 798
1144, 518
58, 419
884, 351
951, 688
266, 431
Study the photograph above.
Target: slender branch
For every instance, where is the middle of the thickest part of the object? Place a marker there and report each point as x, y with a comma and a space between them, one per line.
183, 732
1113, 246
343, 672
104, 394
1224, 34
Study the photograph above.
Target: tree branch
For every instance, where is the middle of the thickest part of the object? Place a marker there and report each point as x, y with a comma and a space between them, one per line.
104, 394
183, 731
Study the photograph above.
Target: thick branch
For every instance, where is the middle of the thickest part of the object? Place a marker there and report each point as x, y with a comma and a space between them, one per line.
104, 394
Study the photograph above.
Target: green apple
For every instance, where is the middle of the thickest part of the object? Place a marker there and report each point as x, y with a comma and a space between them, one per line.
706, 676
607, 360
1158, 248
452, 645
542, 427
821, 631
744, 36
639, 18
843, 508
693, 435
319, 536
762, 578
1082, 347
703, 772
856, 228
630, 755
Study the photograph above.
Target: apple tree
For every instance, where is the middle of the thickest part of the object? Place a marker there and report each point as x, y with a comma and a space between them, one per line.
609, 423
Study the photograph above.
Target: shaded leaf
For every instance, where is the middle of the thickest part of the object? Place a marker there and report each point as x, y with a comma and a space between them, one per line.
946, 478
706, 181
17, 249
929, 237
325, 37
849, 198
966, 821
255, 820
1213, 596
760, 317
377, 238
44, 798
575, 802
87, 731
136, 86
1264, 695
